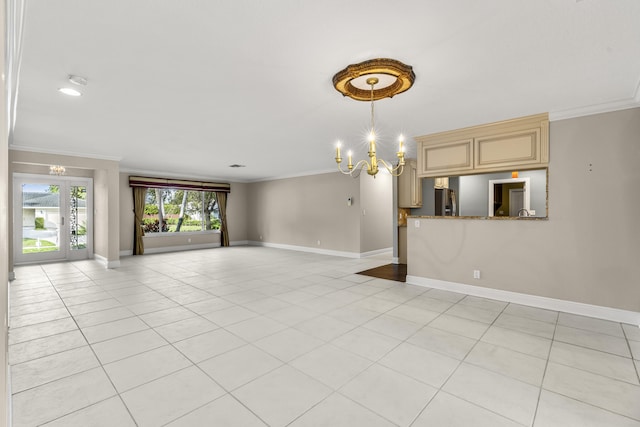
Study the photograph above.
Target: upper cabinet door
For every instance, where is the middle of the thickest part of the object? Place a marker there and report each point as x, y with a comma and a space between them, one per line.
508, 149
446, 158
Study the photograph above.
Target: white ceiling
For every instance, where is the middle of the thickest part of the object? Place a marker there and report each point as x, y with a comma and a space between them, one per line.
187, 88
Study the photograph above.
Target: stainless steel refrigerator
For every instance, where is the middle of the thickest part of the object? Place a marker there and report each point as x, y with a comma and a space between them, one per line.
446, 204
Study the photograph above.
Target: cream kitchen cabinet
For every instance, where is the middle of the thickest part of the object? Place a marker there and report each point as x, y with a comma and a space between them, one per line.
410, 186
496, 147
453, 157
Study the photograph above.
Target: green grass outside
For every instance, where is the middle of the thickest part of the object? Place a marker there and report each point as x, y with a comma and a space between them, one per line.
29, 246
172, 227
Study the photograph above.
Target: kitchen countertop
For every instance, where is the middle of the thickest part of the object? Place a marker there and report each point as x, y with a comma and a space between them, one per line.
490, 218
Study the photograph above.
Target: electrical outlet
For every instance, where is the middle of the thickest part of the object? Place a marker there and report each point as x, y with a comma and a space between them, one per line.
318, 242
189, 240
260, 237
417, 223
476, 274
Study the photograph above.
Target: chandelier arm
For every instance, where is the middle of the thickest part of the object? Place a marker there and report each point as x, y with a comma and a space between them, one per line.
358, 167
392, 169
361, 165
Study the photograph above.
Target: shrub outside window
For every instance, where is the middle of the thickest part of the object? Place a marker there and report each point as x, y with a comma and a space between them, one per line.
180, 211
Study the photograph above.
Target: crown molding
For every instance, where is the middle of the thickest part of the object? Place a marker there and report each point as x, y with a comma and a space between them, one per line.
589, 110
63, 153
295, 175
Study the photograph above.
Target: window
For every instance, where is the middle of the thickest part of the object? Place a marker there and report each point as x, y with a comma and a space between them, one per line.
170, 210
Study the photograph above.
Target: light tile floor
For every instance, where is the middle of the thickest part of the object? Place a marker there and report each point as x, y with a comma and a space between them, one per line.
249, 336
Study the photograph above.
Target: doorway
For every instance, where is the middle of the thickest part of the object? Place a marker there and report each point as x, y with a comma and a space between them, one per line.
52, 218
509, 197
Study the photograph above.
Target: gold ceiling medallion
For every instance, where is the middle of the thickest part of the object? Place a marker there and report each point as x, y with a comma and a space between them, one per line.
369, 81
400, 78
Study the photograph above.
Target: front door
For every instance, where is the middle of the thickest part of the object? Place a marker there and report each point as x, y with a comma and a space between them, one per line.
52, 218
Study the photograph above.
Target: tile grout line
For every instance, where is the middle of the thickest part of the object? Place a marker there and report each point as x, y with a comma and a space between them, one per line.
635, 365
544, 373
100, 364
460, 362
285, 363
195, 288
370, 364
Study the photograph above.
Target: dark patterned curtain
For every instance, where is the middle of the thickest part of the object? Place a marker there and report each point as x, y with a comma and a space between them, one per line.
139, 196
222, 206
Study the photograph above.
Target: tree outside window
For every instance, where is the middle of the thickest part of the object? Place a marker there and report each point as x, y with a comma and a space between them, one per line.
180, 211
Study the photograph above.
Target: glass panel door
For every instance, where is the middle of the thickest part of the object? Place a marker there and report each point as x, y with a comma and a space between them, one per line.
79, 221
52, 218
41, 220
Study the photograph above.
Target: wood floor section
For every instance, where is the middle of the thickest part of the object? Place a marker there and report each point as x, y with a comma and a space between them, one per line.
397, 272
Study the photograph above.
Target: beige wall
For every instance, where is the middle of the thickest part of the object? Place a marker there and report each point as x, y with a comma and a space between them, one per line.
300, 211
588, 249
376, 205
237, 212
101, 207
236, 216
106, 197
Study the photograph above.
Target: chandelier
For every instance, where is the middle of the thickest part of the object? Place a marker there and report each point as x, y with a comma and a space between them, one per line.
392, 77
57, 170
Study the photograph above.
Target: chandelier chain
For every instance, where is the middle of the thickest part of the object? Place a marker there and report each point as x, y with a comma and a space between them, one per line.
372, 116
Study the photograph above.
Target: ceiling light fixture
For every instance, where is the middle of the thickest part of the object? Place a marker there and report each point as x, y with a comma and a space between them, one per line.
70, 91
57, 170
370, 81
76, 80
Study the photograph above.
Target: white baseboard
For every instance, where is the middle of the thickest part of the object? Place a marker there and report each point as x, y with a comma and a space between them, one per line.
306, 249
319, 250
607, 313
376, 252
181, 248
395, 260
129, 252
104, 261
